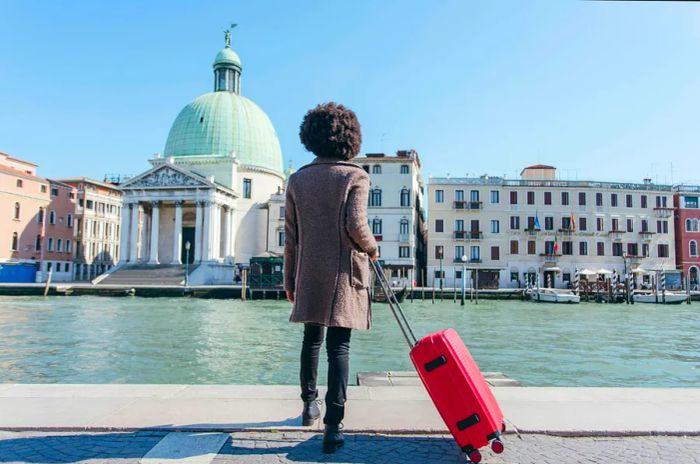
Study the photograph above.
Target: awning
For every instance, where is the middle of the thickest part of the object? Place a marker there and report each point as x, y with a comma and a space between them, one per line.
604, 272
587, 272
552, 268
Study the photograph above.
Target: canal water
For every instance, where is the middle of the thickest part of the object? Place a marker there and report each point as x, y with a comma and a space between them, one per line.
196, 341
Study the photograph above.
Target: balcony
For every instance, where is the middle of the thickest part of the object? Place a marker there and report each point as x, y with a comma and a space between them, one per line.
663, 212
646, 235
474, 205
469, 261
566, 232
468, 235
550, 257
616, 235
531, 232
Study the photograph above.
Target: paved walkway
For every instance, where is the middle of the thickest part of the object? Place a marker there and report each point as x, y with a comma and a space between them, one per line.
304, 447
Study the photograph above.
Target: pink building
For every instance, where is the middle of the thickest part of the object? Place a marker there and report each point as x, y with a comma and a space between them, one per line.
26, 201
58, 233
686, 201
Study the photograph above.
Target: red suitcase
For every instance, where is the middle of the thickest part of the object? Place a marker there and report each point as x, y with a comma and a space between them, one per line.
454, 382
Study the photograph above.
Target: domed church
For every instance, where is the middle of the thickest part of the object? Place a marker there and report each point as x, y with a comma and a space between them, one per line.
205, 201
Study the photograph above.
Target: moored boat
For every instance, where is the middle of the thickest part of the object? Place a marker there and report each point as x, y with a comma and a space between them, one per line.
660, 298
553, 295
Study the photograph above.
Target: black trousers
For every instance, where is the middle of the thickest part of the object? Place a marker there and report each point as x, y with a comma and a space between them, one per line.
338, 350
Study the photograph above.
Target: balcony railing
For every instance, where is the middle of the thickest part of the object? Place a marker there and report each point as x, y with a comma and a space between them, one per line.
469, 261
550, 257
646, 235
468, 235
467, 204
616, 234
566, 232
663, 212
531, 231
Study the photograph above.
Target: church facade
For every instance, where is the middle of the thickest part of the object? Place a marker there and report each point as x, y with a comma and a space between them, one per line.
204, 202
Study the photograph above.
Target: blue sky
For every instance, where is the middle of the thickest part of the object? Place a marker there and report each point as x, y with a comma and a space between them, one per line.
602, 90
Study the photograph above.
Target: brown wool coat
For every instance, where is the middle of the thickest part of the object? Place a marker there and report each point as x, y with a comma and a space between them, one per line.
328, 243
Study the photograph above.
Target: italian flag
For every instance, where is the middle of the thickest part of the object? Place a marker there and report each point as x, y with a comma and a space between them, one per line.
556, 245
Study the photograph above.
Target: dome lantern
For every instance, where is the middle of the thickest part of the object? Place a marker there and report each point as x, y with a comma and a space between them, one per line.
227, 68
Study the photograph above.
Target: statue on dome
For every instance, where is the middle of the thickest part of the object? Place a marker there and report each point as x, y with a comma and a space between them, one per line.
227, 35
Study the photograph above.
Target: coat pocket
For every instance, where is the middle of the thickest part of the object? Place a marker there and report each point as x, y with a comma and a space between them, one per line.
359, 269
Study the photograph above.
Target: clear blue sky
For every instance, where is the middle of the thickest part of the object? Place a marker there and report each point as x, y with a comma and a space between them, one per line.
602, 90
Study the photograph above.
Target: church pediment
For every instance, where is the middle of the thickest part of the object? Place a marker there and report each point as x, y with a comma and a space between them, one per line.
166, 177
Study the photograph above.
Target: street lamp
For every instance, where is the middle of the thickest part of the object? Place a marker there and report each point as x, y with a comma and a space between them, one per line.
187, 263
464, 276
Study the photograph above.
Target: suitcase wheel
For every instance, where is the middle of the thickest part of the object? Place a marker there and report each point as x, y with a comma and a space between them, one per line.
474, 456
497, 446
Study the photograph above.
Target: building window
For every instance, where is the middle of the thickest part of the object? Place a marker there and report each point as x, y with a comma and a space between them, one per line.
693, 245
644, 201
59, 245
439, 252
567, 248
582, 198
547, 198
280, 237
19, 183
530, 223
50, 244
599, 224
513, 198
52, 217
282, 212
548, 223
404, 252
495, 226
617, 249
376, 169
439, 225
247, 189
663, 250
68, 246
582, 224
459, 225
566, 223
690, 202
475, 253
14, 245
600, 248
645, 250
377, 226
630, 225
495, 253
69, 220
459, 195
531, 247
439, 196
599, 199
495, 199
628, 200
40, 216
17, 211
613, 200
632, 249
403, 227
54, 191
661, 227
549, 247
37, 243
565, 198
515, 222
513, 247
58, 267
530, 198
43, 189
375, 198
474, 195
459, 252
404, 169
615, 224
691, 225
405, 197
583, 248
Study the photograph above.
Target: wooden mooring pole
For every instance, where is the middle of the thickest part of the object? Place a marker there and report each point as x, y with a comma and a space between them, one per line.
244, 284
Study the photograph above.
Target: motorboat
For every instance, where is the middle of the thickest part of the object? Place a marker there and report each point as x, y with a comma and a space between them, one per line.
553, 295
659, 297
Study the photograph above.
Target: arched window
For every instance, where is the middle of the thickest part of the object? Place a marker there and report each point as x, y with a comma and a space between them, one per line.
52, 217
403, 227
16, 211
15, 242
693, 248
377, 226
375, 198
405, 197
376, 169
40, 216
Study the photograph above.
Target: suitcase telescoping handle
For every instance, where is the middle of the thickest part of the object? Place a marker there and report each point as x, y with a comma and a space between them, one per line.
394, 305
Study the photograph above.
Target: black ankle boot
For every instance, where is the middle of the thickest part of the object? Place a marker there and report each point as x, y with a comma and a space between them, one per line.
333, 438
311, 413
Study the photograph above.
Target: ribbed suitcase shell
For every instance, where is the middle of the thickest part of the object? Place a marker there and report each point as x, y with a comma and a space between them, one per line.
458, 389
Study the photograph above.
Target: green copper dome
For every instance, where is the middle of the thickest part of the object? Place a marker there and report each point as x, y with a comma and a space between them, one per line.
225, 122
218, 123
227, 56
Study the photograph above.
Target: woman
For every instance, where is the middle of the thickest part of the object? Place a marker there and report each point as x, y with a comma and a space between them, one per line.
327, 248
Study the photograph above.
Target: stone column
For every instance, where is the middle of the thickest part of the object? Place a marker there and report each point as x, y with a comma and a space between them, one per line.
124, 239
232, 235
206, 232
215, 231
198, 233
177, 233
134, 233
227, 232
155, 225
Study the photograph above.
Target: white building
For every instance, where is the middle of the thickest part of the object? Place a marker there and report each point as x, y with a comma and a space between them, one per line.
396, 213
221, 163
514, 230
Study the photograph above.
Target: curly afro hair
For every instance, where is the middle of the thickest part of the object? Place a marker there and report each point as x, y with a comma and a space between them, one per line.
331, 131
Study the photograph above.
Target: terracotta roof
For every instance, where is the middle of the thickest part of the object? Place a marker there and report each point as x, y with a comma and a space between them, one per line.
539, 166
19, 173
